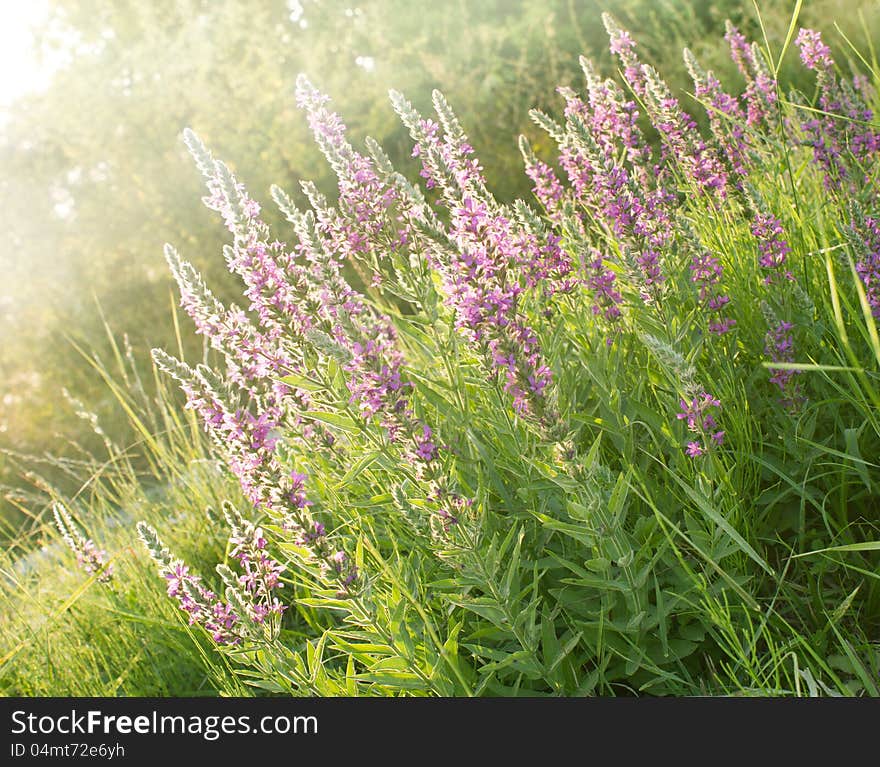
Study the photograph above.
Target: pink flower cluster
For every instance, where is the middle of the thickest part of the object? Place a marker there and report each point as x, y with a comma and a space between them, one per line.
699, 414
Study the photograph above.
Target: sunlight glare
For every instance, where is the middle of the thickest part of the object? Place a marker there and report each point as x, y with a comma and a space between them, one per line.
21, 70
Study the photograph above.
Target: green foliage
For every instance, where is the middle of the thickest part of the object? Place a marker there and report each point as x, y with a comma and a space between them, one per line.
65, 634
103, 136
599, 561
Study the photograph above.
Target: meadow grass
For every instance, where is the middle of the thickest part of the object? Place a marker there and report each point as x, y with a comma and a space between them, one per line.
65, 634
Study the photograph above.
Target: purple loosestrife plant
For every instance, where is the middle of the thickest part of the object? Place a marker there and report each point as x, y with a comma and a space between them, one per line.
864, 235
88, 556
247, 441
276, 284
698, 161
841, 134
612, 174
547, 187
814, 53
760, 97
321, 307
779, 347
255, 359
773, 249
637, 218
613, 120
706, 275
303, 292
380, 389
640, 243
624, 47
246, 438
377, 380
629, 192
486, 304
365, 220
726, 117
241, 615
601, 282
281, 290
479, 262
614, 178
261, 574
368, 216
699, 414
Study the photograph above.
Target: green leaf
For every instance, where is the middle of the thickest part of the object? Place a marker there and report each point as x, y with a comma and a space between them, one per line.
302, 382
719, 520
334, 419
358, 467
394, 680
866, 546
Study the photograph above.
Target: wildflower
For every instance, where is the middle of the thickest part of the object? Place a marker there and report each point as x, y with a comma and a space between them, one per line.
296, 492
706, 275
88, 556
739, 48
622, 194
486, 304
697, 159
479, 270
261, 574
699, 414
344, 569
426, 450
367, 339
176, 575
300, 296
250, 452
200, 604
613, 120
694, 449
814, 53
601, 281
447, 156
547, 187
840, 135
680, 134
773, 249
760, 96
600, 131
865, 232
725, 115
368, 206
779, 347
226, 620
623, 46
317, 531
276, 285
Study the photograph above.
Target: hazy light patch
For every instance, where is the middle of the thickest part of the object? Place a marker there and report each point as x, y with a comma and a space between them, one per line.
21, 70
64, 205
296, 13
367, 63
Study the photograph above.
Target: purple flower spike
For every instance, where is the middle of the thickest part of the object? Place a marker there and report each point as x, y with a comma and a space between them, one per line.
700, 416
814, 53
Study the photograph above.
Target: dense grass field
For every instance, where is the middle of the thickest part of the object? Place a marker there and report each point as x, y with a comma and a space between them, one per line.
614, 436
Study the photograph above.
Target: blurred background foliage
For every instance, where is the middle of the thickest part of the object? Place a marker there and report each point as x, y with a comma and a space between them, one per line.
94, 177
